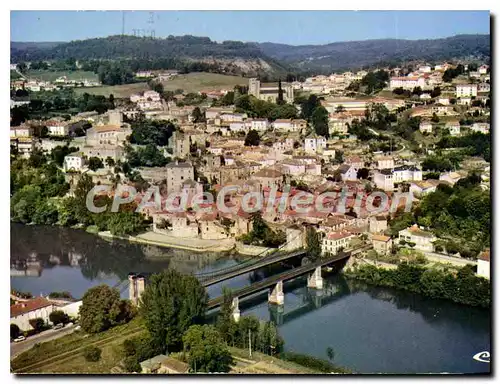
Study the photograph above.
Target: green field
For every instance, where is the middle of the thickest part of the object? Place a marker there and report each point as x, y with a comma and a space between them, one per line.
118, 91
52, 75
198, 81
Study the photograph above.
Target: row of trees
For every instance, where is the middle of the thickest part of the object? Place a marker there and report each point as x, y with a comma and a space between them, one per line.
462, 287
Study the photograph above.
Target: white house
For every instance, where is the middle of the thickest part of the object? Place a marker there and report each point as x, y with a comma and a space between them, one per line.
453, 127
385, 162
383, 179
451, 177
406, 173
421, 188
425, 126
443, 101
481, 127
74, 161
57, 128
258, 124
466, 90
406, 82
23, 312
21, 131
423, 240
314, 143
334, 241
425, 96
483, 264
348, 172
483, 69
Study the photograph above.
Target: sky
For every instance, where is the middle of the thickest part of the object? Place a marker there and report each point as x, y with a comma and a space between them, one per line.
288, 27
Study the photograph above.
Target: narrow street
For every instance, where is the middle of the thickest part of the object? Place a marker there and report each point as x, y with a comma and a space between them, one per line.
51, 334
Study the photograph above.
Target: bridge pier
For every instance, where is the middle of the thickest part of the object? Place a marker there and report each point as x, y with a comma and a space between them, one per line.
315, 280
236, 309
277, 296
276, 313
135, 288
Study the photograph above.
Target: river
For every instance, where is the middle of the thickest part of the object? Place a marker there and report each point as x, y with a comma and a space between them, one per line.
370, 329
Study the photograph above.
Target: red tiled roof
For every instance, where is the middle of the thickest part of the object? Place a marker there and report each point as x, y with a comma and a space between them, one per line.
485, 255
28, 306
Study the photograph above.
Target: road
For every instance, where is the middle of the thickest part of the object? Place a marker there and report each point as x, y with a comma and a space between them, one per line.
51, 334
436, 257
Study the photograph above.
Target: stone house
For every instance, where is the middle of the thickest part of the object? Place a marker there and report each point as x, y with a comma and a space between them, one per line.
378, 224
382, 244
334, 241
423, 240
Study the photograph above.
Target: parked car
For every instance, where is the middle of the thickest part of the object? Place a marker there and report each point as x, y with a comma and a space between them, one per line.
59, 326
20, 338
69, 325
77, 328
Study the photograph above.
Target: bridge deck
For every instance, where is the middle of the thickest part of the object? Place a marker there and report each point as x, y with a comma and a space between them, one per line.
287, 275
249, 268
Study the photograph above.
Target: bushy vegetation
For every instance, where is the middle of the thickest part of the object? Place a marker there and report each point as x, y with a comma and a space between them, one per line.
474, 144
102, 309
462, 287
462, 211
60, 102
206, 349
262, 234
92, 353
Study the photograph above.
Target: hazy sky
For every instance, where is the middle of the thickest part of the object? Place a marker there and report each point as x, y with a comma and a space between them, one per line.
290, 27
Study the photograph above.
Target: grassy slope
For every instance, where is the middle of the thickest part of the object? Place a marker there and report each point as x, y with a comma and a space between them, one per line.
65, 354
197, 81
124, 90
53, 75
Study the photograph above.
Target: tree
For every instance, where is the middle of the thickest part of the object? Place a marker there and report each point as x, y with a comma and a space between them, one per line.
95, 163
207, 351
110, 162
252, 138
225, 317
102, 308
92, 353
38, 324
170, 304
363, 173
280, 100
14, 331
320, 121
330, 353
198, 116
58, 317
435, 118
312, 244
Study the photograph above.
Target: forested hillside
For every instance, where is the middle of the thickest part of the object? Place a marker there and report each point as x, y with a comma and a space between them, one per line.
356, 54
235, 57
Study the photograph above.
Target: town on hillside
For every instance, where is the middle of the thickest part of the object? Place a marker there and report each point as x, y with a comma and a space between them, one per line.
378, 174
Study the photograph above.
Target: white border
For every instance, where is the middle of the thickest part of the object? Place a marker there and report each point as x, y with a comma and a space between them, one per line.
224, 4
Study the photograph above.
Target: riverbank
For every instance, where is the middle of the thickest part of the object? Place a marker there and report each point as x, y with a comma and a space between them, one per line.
188, 244
462, 286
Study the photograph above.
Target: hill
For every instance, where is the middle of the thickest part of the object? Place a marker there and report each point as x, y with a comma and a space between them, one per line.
356, 54
230, 54
250, 59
